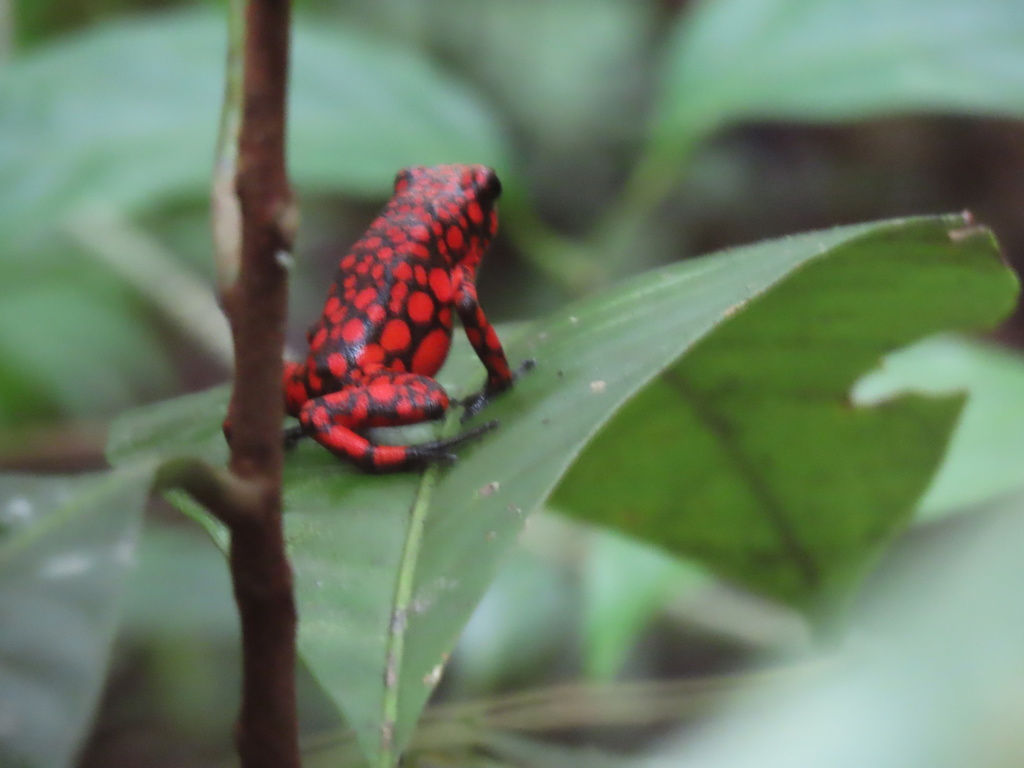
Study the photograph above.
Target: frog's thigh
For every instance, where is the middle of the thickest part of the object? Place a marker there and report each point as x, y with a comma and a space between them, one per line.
386, 399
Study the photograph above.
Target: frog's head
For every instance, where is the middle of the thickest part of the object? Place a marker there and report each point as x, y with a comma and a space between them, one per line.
462, 201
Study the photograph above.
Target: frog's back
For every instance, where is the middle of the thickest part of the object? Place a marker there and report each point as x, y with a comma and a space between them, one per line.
389, 304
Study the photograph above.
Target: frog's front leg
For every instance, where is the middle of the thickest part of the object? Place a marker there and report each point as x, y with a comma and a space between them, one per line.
338, 421
487, 345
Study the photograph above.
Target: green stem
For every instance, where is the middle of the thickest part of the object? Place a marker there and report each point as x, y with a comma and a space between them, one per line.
400, 616
226, 213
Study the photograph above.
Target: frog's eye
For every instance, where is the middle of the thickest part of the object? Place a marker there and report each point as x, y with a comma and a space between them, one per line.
490, 187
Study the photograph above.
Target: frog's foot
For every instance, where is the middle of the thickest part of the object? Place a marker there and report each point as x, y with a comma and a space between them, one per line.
422, 455
292, 435
339, 421
477, 402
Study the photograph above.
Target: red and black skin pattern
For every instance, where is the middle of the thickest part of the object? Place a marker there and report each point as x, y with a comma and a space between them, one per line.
386, 327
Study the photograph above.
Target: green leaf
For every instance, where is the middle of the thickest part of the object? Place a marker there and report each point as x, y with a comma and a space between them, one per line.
66, 545
125, 115
748, 454
931, 679
734, 60
389, 569
181, 589
984, 459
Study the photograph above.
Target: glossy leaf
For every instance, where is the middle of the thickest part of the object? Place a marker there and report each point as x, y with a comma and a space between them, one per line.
734, 60
125, 115
389, 569
748, 454
985, 455
66, 545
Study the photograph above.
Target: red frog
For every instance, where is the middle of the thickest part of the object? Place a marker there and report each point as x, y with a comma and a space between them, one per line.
387, 324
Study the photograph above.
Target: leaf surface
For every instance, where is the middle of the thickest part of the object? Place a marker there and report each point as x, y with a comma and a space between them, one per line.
748, 454
66, 546
931, 679
984, 459
734, 60
389, 569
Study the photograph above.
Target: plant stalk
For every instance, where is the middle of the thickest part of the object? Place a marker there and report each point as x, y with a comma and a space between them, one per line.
255, 300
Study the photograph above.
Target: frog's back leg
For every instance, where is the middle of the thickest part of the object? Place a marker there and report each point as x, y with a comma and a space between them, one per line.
338, 421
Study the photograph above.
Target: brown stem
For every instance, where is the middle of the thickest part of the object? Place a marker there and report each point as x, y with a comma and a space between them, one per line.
231, 499
267, 733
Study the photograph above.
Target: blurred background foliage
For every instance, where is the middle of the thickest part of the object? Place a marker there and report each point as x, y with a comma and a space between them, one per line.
628, 133
106, 134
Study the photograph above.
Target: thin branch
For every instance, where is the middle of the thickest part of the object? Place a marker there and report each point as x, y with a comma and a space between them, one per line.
226, 214
67, 446
255, 301
229, 497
